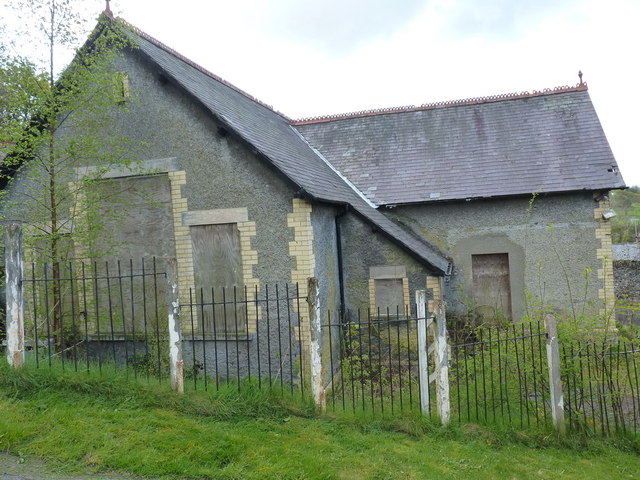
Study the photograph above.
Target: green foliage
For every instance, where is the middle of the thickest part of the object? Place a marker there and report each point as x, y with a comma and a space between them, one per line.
54, 124
624, 225
118, 424
378, 367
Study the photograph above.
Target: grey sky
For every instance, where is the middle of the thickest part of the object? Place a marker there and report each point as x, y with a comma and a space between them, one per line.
351, 23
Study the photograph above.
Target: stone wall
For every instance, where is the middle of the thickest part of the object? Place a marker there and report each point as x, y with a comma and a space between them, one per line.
626, 275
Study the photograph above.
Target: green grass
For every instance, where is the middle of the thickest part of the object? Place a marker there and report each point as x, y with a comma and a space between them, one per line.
84, 423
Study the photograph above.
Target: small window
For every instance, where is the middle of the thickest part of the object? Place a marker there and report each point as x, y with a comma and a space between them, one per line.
389, 289
389, 294
491, 285
122, 87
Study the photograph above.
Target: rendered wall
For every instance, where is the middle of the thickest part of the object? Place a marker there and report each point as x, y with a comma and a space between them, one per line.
219, 173
555, 246
364, 248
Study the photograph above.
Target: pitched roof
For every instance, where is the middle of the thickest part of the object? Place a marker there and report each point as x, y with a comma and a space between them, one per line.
272, 137
514, 144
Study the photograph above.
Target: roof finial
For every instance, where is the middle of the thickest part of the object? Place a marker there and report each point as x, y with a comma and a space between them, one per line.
107, 9
580, 76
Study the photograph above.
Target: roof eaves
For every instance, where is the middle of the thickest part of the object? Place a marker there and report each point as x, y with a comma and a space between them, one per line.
229, 128
389, 205
431, 255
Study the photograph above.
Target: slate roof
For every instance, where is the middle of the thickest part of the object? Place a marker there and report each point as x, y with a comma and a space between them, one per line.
272, 137
514, 144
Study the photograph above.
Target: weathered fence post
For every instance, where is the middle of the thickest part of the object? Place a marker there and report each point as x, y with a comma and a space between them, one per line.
423, 355
555, 381
14, 295
319, 394
176, 364
442, 364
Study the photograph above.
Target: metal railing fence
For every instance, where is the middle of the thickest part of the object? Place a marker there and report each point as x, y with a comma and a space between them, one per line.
231, 334
500, 375
86, 314
602, 387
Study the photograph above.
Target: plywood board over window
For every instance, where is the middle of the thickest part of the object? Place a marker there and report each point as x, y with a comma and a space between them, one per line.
389, 295
217, 265
388, 289
136, 234
491, 285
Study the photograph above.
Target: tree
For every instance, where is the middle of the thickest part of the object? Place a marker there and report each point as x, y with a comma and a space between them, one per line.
54, 125
624, 225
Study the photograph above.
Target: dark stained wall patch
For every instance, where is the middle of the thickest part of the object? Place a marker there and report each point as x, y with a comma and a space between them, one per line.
491, 285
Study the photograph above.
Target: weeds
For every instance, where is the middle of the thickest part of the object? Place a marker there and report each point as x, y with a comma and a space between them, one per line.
112, 422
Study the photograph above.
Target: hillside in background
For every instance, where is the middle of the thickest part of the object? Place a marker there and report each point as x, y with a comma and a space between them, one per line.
625, 224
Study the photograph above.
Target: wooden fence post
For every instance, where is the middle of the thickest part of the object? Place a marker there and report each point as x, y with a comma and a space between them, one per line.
176, 364
14, 294
313, 299
423, 355
555, 381
442, 364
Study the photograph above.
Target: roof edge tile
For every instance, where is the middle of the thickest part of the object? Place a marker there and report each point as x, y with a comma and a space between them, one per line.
580, 87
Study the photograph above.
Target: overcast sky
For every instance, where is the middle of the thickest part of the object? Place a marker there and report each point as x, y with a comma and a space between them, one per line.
333, 56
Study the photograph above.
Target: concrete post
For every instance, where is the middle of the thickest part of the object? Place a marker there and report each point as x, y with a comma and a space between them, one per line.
555, 381
14, 294
313, 299
423, 355
176, 364
442, 364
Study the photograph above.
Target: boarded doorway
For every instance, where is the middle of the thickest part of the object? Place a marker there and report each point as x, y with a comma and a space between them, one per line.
492, 285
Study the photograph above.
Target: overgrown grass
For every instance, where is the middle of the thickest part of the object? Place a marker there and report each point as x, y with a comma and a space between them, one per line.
84, 422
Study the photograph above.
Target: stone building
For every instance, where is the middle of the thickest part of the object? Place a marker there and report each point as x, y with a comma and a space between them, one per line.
494, 203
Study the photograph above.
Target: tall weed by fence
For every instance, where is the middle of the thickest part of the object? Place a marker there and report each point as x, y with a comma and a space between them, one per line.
602, 388
500, 375
372, 362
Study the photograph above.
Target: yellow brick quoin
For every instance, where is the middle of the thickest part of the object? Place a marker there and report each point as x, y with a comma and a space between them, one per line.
301, 249
604, 255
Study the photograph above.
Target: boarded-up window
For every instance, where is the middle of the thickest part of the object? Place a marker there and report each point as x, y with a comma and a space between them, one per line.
217, 267
136, 223
491, 285
136, 217
389, 295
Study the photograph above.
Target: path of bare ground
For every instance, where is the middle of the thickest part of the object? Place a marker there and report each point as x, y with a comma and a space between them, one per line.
13, 467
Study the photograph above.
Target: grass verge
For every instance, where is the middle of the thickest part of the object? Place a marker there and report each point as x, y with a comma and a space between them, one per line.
86, 422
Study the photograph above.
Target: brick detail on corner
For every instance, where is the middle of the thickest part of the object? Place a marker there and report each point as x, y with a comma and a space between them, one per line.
184, 249
301, 249
435, 286
606, 293
249, 260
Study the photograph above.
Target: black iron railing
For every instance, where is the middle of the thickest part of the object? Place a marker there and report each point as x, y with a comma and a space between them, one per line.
602, 388
231, 334
86, 314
